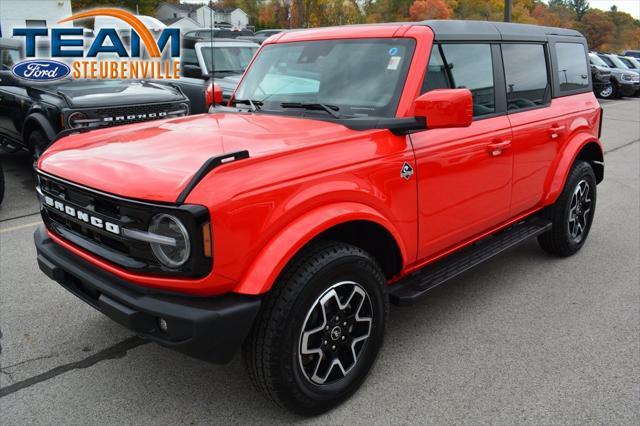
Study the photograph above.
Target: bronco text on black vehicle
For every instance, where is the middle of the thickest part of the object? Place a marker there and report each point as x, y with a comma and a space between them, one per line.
33, 114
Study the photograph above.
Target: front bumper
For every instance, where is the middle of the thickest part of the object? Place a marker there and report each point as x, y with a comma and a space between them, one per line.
211, 329
628, 88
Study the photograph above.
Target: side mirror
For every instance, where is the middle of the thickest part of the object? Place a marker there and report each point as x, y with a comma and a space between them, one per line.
213, 95
443, 108
192, 71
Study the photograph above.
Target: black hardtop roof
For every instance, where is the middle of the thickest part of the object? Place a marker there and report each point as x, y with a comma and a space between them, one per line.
497, 31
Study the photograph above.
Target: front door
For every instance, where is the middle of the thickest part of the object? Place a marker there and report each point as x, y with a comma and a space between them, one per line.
464, 174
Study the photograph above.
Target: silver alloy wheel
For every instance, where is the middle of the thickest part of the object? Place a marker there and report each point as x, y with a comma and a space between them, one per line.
335, 333
606, 92
579, 210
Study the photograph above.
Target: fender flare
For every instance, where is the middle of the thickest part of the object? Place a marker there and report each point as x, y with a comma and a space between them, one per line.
277, 253
562, 164
40, 120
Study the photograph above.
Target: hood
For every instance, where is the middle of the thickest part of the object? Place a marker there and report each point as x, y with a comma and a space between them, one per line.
106, 93
620, 71
155, 160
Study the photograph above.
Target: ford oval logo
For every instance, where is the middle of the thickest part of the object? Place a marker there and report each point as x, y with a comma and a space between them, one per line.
40, 70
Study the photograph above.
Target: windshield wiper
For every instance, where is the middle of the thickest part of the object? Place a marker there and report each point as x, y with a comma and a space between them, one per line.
255, 105
331, 109
228, 72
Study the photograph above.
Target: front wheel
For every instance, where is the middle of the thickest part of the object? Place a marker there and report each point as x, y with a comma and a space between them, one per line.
607, 92
572, 214
320, 329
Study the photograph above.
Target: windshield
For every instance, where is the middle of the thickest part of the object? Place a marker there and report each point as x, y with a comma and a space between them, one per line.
229, 59
617, 62
595, 60
355, 77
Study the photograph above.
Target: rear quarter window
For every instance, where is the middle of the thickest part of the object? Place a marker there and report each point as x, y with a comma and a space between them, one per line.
573, 72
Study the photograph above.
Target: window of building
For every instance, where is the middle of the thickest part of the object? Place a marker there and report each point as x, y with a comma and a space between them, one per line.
466, 66
35, 23
526, 75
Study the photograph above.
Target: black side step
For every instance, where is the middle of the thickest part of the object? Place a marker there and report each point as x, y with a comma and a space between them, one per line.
410, 289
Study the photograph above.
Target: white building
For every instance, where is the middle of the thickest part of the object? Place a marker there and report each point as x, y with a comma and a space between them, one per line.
32, 13
172, 12
205, 16
184, 24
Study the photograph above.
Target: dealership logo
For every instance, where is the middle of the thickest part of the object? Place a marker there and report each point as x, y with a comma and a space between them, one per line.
40, 70
82, 216
131, 62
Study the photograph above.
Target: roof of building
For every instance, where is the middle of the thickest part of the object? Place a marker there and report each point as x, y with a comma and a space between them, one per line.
183, 7
171, 21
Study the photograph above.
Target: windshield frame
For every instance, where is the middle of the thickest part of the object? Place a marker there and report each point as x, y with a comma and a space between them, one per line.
204, 65
617, 62
391, 109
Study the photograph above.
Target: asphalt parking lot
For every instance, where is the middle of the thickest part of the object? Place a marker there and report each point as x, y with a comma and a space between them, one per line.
526, 338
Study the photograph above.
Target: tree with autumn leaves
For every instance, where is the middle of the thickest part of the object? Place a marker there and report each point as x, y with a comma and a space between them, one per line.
610, 31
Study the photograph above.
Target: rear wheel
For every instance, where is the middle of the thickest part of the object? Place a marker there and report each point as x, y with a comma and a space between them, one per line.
572, 214
320, 329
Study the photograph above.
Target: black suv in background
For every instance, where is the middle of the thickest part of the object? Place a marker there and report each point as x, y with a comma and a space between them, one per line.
601, 77
33, 114
623, 81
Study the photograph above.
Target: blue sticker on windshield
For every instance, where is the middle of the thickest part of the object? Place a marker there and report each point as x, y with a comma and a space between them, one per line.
393, 51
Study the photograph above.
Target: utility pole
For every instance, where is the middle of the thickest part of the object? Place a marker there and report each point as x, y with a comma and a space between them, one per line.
507, 10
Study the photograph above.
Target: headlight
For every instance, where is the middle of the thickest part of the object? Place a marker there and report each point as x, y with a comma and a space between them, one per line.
79, 119
627, 77
170, 255
76, 119
181, 110
184, 108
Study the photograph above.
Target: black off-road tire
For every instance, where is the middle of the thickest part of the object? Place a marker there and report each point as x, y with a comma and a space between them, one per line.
273, 351
559, 241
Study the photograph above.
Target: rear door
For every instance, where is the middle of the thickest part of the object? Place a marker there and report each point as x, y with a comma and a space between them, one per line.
538, 128
464, 174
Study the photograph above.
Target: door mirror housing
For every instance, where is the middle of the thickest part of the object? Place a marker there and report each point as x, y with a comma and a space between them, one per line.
192, 71
445, 108
213, 95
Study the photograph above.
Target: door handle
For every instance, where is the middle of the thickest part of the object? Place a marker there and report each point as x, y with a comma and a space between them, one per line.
555, 131
496, 148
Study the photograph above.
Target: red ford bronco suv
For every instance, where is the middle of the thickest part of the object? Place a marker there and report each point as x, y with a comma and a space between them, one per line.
353, 167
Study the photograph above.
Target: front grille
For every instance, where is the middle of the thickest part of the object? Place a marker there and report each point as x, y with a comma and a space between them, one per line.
67, 219
126, 114
134, 110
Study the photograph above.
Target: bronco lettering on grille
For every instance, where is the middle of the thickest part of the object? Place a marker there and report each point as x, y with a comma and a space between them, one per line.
82, 215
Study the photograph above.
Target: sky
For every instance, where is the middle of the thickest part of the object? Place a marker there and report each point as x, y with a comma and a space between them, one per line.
632, 7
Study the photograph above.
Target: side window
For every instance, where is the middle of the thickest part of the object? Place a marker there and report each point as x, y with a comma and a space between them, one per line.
607, 61
525, 68
463, 66
573, 73
8, 58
